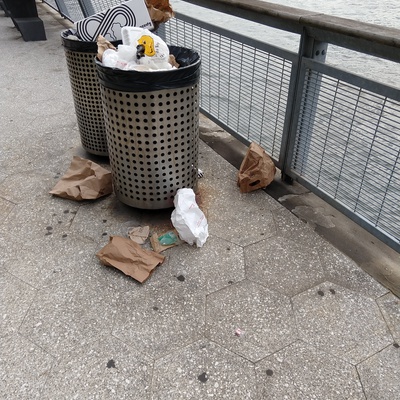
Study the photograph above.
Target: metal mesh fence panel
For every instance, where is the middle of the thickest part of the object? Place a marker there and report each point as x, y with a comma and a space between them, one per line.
101, 5
51, 3
73, 10
243, 87
348, 146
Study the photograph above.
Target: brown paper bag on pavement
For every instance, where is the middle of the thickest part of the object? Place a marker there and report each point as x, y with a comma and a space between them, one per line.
256, 171
130, 258
84, 180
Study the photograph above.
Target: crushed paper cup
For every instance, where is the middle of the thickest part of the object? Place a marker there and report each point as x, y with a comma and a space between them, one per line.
139, 234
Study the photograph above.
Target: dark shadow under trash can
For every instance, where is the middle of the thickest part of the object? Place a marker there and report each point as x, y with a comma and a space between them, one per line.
86, 93
152, 128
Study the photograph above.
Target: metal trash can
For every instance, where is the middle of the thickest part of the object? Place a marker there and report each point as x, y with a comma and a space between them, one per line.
152, 129
86, 93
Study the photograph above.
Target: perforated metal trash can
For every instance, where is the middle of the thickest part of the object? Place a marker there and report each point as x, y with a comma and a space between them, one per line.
86, 93
152, 129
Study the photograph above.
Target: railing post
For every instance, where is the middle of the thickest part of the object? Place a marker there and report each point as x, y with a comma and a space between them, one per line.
300, 100
87, 7
161, 31
25, 18
63, 10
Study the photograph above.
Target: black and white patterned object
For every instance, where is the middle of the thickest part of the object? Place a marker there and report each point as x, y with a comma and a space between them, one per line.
109, 23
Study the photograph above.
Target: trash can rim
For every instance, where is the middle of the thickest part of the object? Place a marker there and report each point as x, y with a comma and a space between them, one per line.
99, 63
80, 46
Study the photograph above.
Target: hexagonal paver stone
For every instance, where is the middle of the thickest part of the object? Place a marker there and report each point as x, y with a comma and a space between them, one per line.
340, 322
64, 316
283, 265
156, 321
192, 265
24, 368
292, 227
300, 371
26, 184
380, 374
47, 261
104, 369
390, 307
15, 299
48, 217
203, 370
5, 208
250, 320
239, 220
343, 271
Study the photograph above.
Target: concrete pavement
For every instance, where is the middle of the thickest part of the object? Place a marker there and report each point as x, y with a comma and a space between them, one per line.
267, 309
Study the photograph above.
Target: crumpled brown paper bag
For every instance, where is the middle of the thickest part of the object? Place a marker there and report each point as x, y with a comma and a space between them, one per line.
130, 258
256, 171
84, 180
160, 11
102, 45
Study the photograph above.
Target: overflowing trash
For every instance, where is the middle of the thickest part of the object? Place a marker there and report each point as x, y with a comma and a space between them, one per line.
132, 22
188, 219
127, 45
145, 14
141, 50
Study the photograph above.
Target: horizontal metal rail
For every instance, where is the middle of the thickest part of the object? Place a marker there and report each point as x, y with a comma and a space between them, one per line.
75, 10
371, 39
244, 82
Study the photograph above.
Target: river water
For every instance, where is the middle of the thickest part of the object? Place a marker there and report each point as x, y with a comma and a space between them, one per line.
381, 12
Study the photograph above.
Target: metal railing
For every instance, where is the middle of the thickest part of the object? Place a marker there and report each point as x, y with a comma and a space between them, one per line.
76, 10
335, 132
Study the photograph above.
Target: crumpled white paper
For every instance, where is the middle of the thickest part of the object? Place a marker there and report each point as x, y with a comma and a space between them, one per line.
187, 218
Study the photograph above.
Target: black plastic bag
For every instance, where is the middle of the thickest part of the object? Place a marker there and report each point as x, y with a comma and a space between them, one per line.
80, 45
147, 81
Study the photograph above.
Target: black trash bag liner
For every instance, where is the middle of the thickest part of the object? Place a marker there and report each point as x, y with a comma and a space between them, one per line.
80, 45
148, 81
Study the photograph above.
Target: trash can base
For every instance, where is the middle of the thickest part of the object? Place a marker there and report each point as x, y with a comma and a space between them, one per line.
94, 152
